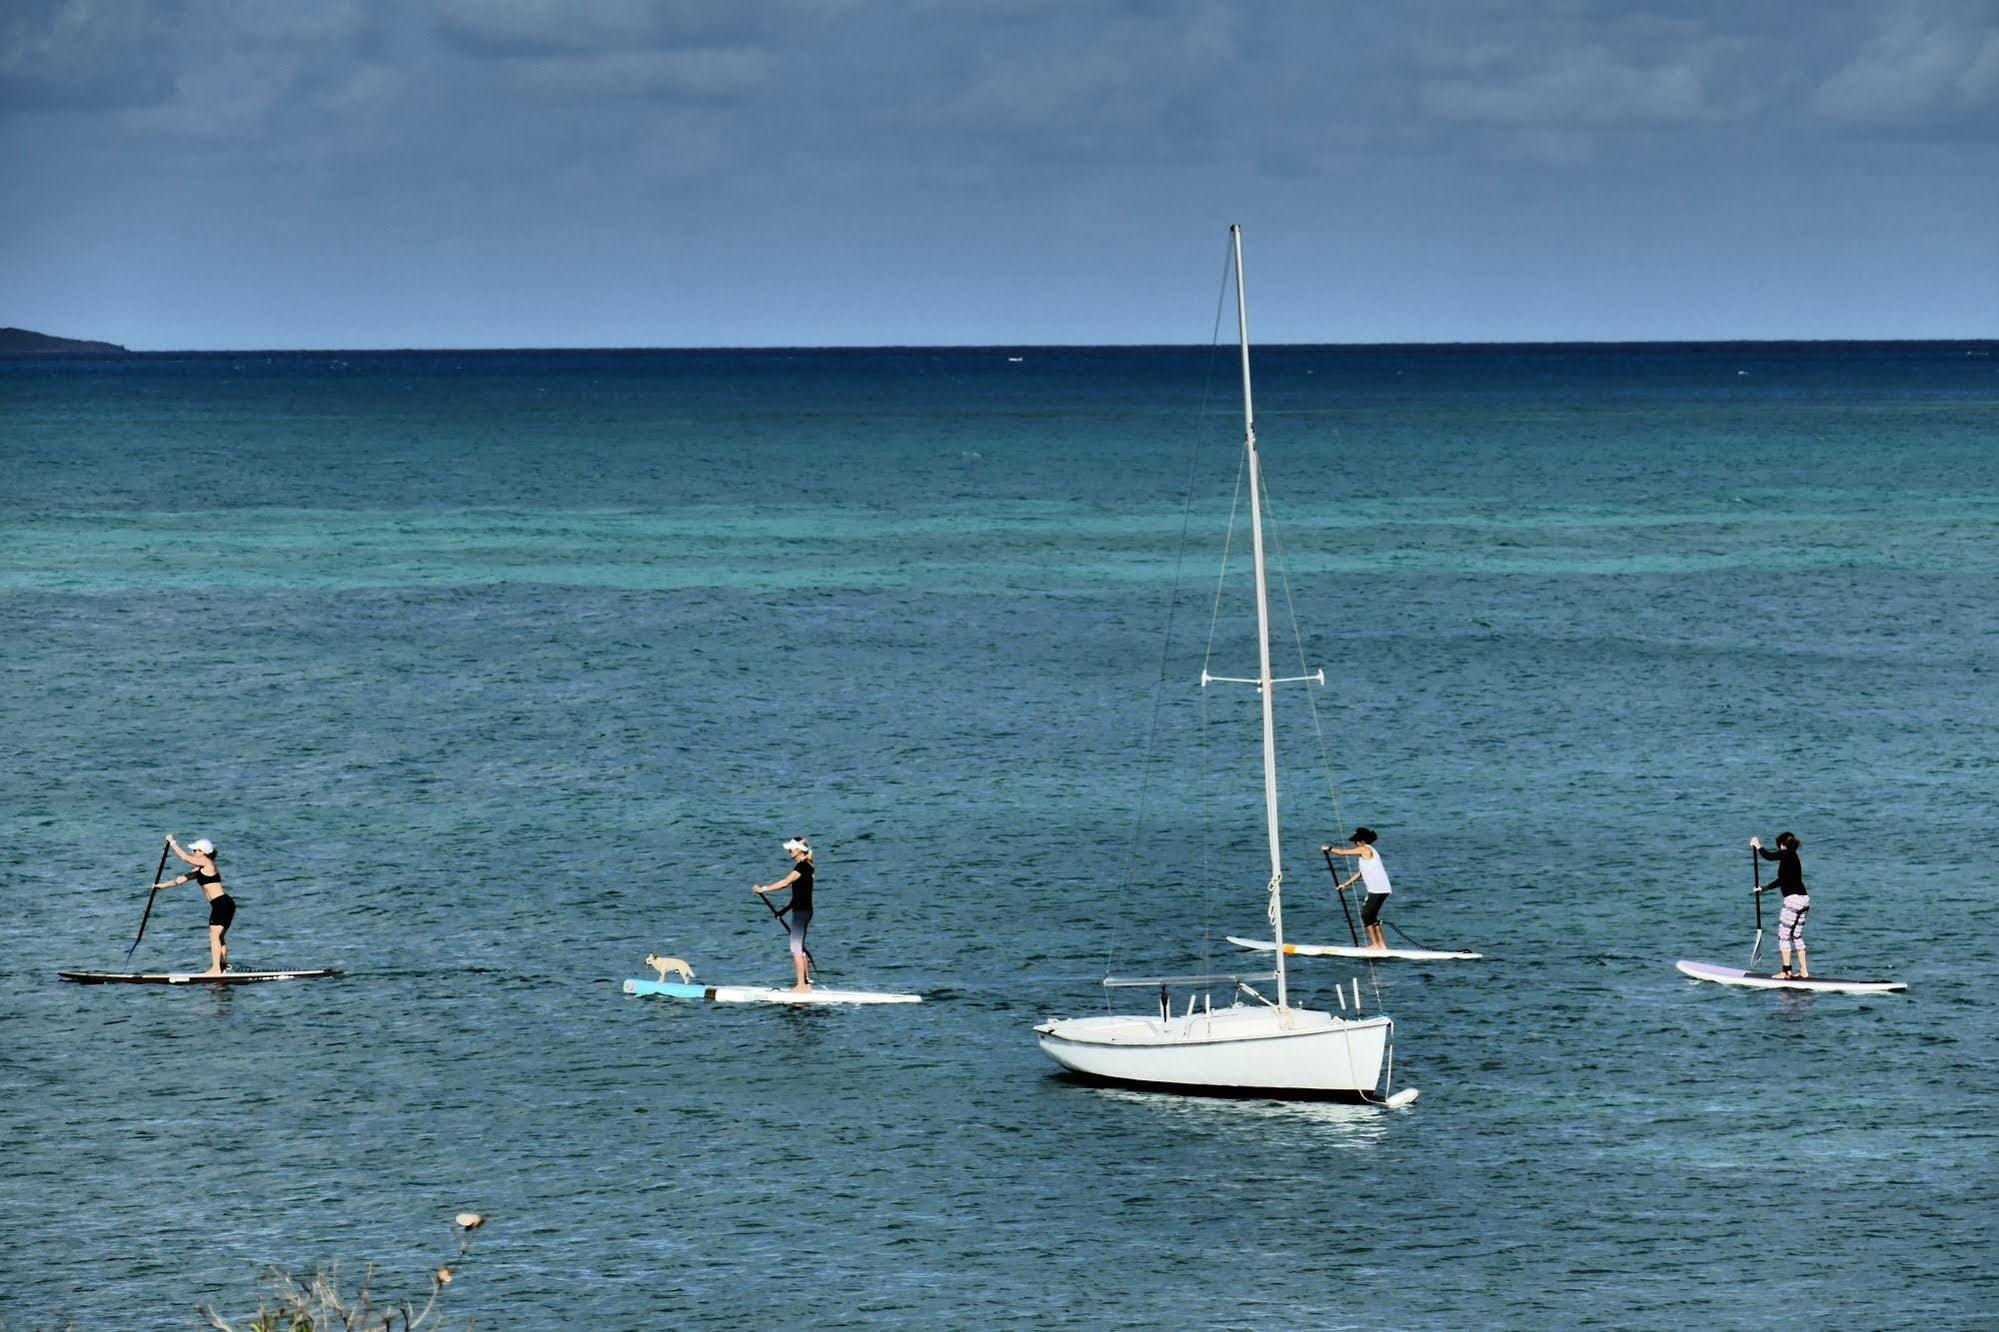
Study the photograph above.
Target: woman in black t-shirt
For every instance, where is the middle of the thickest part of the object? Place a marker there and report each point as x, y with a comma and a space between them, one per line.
199, 856
799, 908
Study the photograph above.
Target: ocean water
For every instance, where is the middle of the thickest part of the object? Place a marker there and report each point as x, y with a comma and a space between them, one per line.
493, 672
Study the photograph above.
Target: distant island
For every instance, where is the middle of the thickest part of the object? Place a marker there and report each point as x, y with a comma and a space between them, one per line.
17, 341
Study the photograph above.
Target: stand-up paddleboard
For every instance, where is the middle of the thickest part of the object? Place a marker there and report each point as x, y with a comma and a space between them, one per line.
190, 977
1759, 980
1348, 950
764, 994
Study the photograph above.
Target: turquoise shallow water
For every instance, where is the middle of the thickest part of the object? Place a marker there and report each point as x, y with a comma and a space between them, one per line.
493, 673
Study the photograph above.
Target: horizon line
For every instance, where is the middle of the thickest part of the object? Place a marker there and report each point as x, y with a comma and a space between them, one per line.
116, 349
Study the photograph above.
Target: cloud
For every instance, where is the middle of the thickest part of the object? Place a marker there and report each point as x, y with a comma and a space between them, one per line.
537, 29
1586, 87
1124, 80
1919, 68
1011, 89
69, 55
200, 68
697, 75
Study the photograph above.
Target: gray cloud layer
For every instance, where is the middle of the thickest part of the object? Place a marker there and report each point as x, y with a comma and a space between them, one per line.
531, 170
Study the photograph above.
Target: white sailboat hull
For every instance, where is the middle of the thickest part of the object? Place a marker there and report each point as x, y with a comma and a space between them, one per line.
1238, 1050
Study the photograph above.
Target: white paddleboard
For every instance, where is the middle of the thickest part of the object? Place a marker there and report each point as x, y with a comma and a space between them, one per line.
1758, 980
1347, 950
190, 977
763, 994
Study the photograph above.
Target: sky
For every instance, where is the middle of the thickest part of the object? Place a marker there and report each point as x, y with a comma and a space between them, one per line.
222, 174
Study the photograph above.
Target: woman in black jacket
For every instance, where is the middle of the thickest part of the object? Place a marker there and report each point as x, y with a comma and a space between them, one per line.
1790, 885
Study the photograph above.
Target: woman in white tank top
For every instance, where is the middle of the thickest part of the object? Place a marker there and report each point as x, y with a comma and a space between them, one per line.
1371, 872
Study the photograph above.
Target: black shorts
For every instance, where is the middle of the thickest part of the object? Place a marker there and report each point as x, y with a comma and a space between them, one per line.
221, 910
1370, 910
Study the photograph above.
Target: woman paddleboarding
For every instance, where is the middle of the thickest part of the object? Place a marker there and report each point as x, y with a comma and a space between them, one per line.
199, 855
799, 908
1371, 872
1790, 885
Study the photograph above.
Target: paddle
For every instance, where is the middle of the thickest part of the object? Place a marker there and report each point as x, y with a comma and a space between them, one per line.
811, 966
149, 901
1756, 877
1340, 893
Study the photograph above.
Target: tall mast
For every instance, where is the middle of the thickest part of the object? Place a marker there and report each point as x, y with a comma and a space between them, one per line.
1265, 685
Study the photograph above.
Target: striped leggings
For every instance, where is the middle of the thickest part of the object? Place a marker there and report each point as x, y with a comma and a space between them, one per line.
1791, 924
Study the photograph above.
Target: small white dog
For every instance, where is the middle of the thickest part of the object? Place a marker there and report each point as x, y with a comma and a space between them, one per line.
665, 964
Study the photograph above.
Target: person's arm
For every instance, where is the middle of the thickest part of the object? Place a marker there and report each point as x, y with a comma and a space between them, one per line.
785, 882
172, 883
174, 847
1342, 850
1768, 854
1342, 887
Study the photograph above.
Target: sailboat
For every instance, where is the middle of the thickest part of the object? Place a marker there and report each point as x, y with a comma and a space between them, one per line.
1264, 1047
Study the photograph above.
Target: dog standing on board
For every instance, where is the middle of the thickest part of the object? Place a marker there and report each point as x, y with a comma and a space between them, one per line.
662, 965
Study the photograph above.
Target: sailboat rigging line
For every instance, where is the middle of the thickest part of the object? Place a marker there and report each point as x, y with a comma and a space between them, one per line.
1353, 1071
1276, 531
1166, 645
1209, 776
1298, 641
1222, 573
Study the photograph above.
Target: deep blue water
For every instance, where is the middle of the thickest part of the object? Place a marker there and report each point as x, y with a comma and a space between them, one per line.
493, 672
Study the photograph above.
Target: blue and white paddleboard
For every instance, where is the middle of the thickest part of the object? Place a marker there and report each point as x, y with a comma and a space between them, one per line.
1761, 980
764, 994
1346, 950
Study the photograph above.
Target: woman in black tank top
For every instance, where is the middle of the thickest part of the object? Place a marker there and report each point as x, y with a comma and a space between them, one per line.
799, 908
199, 856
